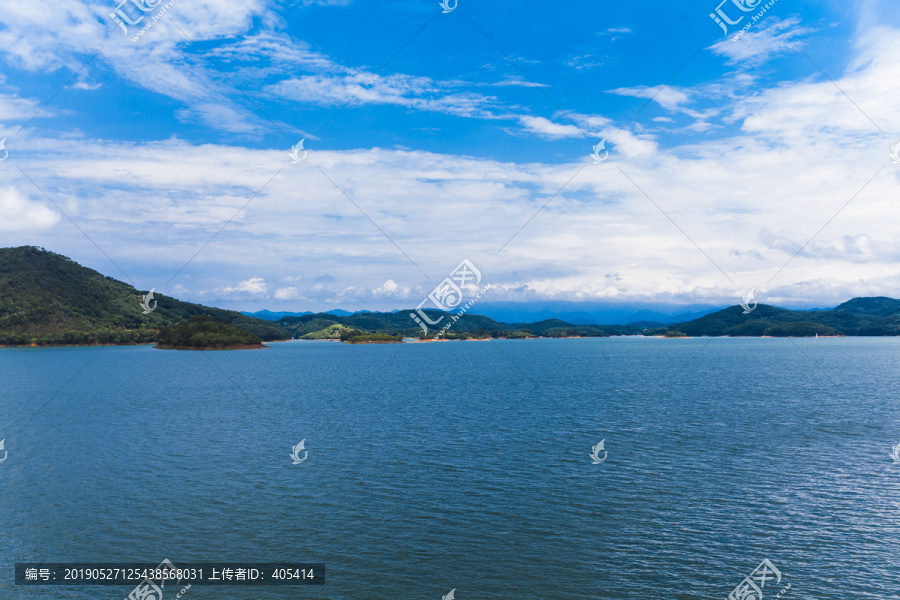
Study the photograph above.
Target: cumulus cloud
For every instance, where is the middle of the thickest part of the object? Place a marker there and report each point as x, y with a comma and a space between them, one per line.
255, 285
391, 289
797, 153
19, 213
286, 293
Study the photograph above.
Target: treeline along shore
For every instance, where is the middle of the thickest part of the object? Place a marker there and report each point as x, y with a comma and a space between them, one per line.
48, 299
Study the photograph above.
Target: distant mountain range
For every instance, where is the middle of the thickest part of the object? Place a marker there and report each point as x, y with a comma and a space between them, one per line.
268, 315
570, 312
589, 313
469, 325
46, 299
878, 316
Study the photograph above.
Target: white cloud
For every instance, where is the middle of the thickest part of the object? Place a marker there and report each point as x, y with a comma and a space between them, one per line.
756, 46
421, 93
668, 97
287, 293
518, 82
15, 108
19, 213
584, 61
255, 285
43, 35
391, 289
798, 152
83, 85
547, 128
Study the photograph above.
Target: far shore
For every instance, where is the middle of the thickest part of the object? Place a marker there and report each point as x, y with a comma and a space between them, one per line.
229, 347
36, 345
414, 341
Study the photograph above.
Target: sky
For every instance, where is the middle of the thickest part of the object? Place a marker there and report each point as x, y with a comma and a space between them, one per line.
753, 156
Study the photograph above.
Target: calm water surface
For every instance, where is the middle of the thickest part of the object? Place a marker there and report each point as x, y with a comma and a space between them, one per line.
463, 465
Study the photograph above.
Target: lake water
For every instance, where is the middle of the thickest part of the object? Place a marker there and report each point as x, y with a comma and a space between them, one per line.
463, 465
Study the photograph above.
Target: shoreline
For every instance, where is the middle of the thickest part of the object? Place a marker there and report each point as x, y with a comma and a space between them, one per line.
429, 340
229, 347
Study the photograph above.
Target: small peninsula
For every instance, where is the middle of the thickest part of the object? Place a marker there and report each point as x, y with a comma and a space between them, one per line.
204, 333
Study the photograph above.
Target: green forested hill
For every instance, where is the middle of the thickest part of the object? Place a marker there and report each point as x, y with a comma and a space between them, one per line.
468, 325
205, 333
877, 316
46, 298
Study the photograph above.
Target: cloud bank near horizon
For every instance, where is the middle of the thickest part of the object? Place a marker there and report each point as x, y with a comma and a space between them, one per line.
734, 181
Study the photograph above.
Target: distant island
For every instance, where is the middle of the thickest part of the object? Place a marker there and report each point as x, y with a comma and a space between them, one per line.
47, 299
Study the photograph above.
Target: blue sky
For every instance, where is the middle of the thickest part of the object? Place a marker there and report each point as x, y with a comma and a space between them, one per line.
436, 137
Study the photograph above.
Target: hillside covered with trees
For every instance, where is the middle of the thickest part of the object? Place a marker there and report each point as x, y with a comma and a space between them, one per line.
205, 333
47, 299
468, 326
878, 316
